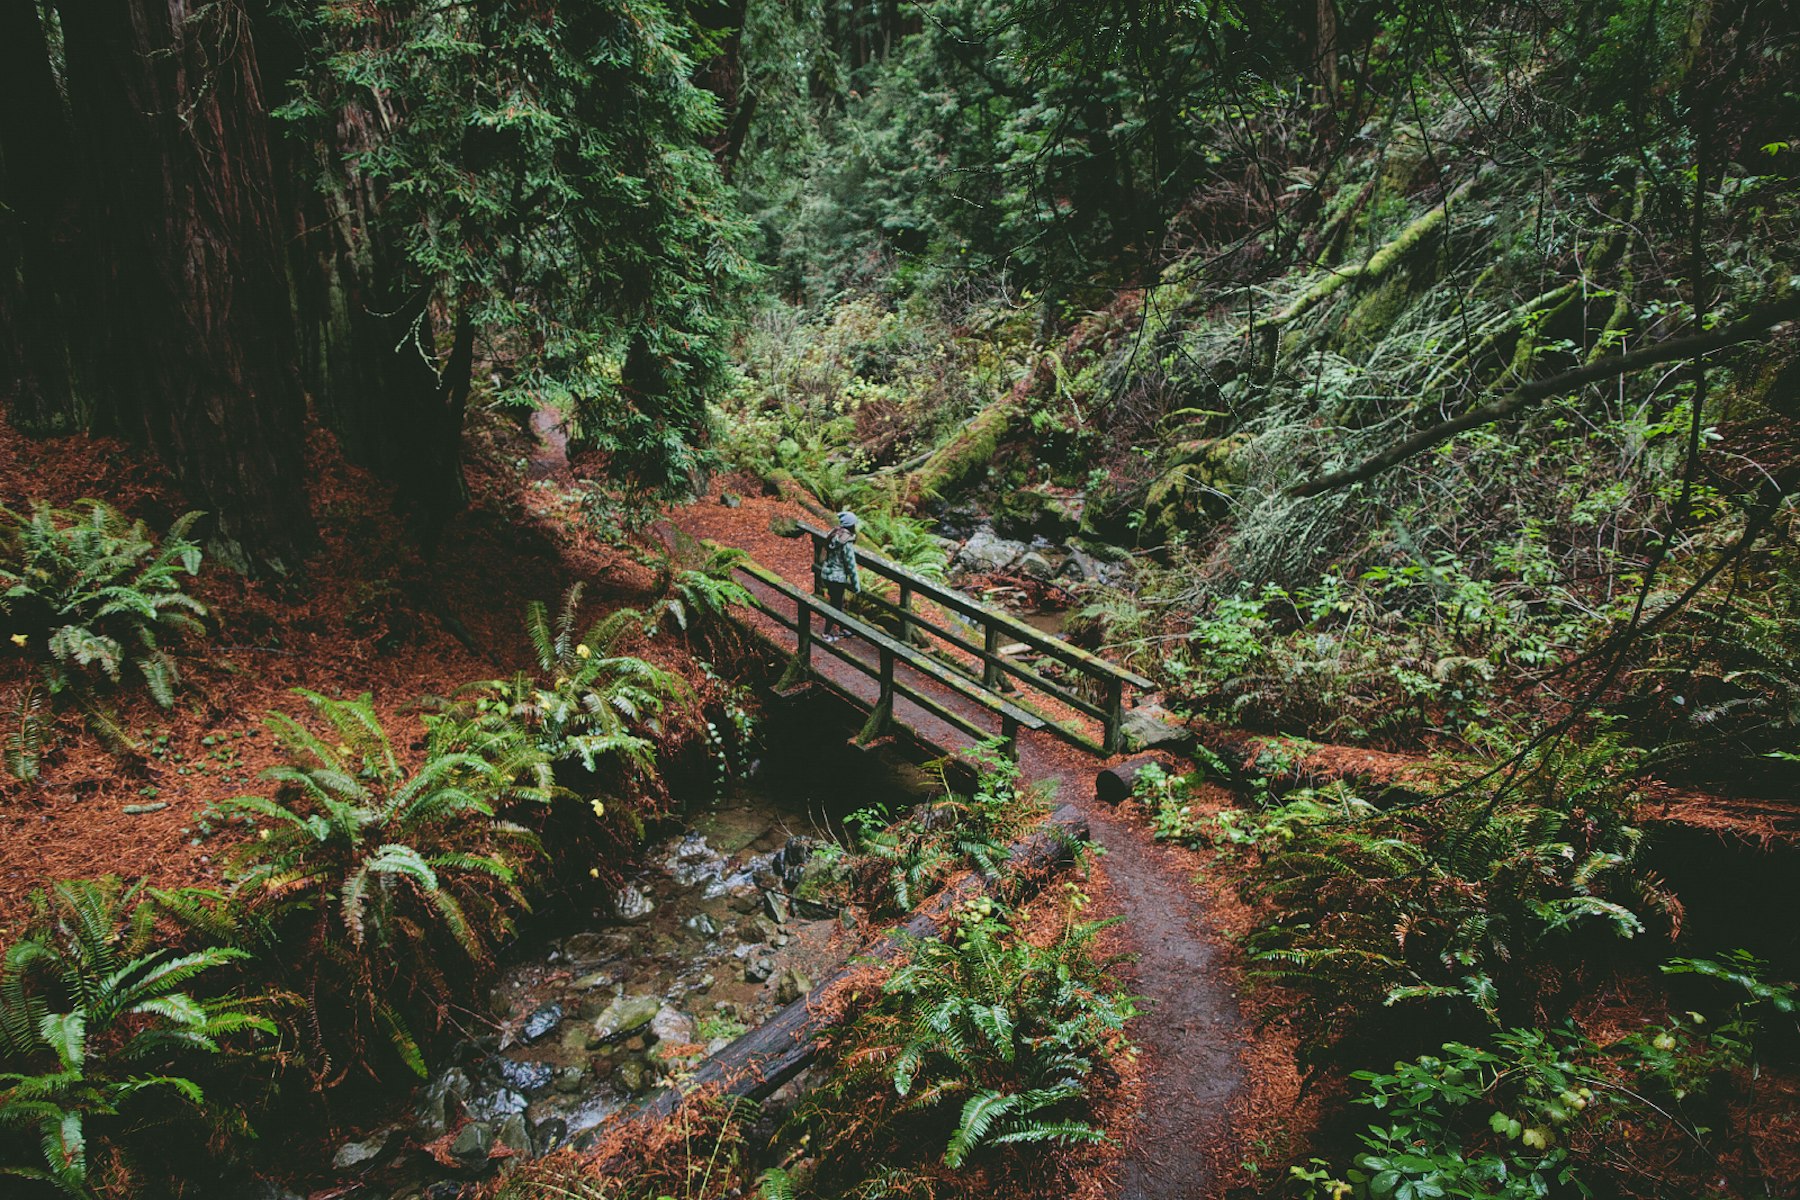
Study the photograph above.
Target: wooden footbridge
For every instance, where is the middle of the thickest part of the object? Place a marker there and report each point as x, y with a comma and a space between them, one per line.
929, 661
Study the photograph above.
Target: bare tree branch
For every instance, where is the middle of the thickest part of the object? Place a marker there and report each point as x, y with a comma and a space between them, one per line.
1754, 327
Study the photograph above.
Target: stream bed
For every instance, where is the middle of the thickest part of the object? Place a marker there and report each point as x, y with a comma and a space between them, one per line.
713, 934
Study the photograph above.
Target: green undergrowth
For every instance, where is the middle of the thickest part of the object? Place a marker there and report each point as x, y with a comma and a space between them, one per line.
1458, 933
370, 881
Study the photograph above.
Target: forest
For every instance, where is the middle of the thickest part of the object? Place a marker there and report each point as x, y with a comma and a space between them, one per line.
689, 599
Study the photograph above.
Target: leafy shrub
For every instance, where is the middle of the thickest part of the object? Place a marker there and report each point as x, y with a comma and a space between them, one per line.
979, 1043
585, 704
1475, 1122
901, 864
89, 594
100, 1037
1455, 900
379, 878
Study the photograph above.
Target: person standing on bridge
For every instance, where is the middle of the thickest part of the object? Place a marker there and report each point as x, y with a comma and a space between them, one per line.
837, 569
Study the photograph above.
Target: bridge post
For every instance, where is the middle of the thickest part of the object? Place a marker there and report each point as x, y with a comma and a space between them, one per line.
1115, 714
881, 717
1009, 737
990, 663
800, 666
905, 607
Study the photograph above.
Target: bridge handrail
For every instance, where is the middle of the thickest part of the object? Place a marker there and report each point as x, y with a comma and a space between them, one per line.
890, 651
1037, 639
995, 667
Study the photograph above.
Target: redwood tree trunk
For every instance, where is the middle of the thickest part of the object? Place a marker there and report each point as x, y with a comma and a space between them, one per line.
45, 279
168, 105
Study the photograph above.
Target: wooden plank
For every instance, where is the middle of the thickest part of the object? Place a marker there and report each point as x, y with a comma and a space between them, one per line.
1075, 656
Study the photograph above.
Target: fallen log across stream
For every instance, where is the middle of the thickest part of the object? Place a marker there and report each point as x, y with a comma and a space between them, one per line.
770, 1055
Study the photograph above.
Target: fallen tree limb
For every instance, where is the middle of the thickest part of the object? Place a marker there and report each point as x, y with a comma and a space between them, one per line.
1754, 327
784, 1045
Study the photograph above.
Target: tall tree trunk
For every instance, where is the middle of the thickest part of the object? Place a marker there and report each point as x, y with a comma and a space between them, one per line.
44, 310
168, 103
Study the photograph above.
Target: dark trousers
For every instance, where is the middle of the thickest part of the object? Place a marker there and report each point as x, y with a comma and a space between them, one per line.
834, 592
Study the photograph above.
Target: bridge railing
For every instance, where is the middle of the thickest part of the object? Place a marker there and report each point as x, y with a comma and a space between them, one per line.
1105, 681
798, 612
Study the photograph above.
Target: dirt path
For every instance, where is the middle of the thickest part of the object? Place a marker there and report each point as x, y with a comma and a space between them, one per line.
1192, 1031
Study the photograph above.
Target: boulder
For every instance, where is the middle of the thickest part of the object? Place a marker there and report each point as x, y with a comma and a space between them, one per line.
549, 1134
529, 1078
792, 985
986, 553
443, 1097
1147, 728
514, 1134
1033, 565
759, 970
632, 905
492, 1106
672, 1025
540, 1023
360, 1156
777, 906
472, 1143
625, 1016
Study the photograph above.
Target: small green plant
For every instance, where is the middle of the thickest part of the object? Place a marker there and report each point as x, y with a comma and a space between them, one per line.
585, 703
980, 1042
387, 876
1473, 1122
100, 1035
90, 594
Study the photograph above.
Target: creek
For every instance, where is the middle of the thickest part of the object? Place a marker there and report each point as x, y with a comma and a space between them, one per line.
715, 930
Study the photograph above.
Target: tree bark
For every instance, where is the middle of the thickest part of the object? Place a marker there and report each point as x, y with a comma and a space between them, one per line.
168, 105
43, 308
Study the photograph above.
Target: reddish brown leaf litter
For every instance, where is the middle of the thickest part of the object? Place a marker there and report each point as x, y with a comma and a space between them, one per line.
368, 614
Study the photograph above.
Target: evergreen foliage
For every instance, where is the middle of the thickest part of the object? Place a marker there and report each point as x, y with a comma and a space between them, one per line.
385, 877
101, 1033
89, 593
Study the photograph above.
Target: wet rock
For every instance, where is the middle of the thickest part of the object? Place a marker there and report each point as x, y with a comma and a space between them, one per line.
593, 947
449, 1189
514, 1134
777, 906
745, 897
570, 1080
539, 1024
624, 1016
592, 980
706, 982
530, 1078
812, 909
694, 862
472, 1143
703, 925
496, 1105
360, 1156
1146, 728
759, 970
443, 1097
670, 1025
731, 500
632, 905
630, 1075
792, 985
986, 553
575, 1040
1033, 565
764, 930
550, 1134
